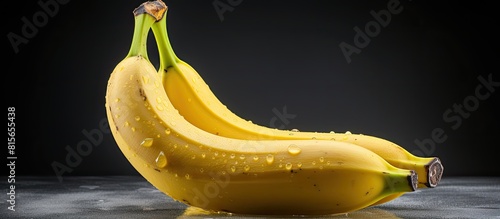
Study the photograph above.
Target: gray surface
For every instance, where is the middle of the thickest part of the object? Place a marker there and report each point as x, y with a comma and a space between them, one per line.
133, 197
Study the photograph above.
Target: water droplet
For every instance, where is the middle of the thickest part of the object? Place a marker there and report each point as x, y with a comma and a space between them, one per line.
321, 167
313, 138
157, 84
193, 157
314, 163
145, 79
202, 170
294, 130
133, 129
332, 132
242, 157
167, 131
159, 107
233, 169
161, 160
299, 165
187, 176
147, 142
270, 159
203, 155
127, 124
294, 149
223, 154
321, 159
117, 116
117, 100
348, 133
158, 136
288, 166
250, 121
255, 158
137, 118
232, 156
246, 168
158, 100
280, 165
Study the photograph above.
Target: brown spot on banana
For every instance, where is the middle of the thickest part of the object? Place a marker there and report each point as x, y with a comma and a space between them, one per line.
142, 94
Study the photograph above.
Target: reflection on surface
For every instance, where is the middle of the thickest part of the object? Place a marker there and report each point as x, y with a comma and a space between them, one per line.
372, 212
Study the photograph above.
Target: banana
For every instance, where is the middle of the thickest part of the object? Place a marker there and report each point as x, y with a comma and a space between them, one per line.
220, 174
194, 99
193, 212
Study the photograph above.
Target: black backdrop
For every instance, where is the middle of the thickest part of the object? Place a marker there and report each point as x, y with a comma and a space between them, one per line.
419, 78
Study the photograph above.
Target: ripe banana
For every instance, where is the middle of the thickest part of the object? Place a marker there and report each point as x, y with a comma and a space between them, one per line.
193, 98
288, 177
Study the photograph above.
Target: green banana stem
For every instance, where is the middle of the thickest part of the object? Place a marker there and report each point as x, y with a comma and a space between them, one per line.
397, 183
167, 55
144, 17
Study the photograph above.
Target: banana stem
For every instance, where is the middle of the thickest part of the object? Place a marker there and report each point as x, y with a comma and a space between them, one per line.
401, 181
167, 55
144, 17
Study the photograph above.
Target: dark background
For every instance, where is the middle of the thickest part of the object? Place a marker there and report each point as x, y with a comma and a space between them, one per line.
264, 55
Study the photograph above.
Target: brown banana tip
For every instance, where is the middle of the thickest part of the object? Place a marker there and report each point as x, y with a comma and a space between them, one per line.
155, 8
434, 172
413, 180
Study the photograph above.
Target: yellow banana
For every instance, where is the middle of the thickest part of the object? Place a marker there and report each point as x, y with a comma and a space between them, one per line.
216, 173
194, 99
194, 212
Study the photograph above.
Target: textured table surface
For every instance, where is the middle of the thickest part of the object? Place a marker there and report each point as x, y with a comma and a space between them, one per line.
134, 197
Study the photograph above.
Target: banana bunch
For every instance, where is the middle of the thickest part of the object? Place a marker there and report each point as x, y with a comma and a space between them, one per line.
185, 142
